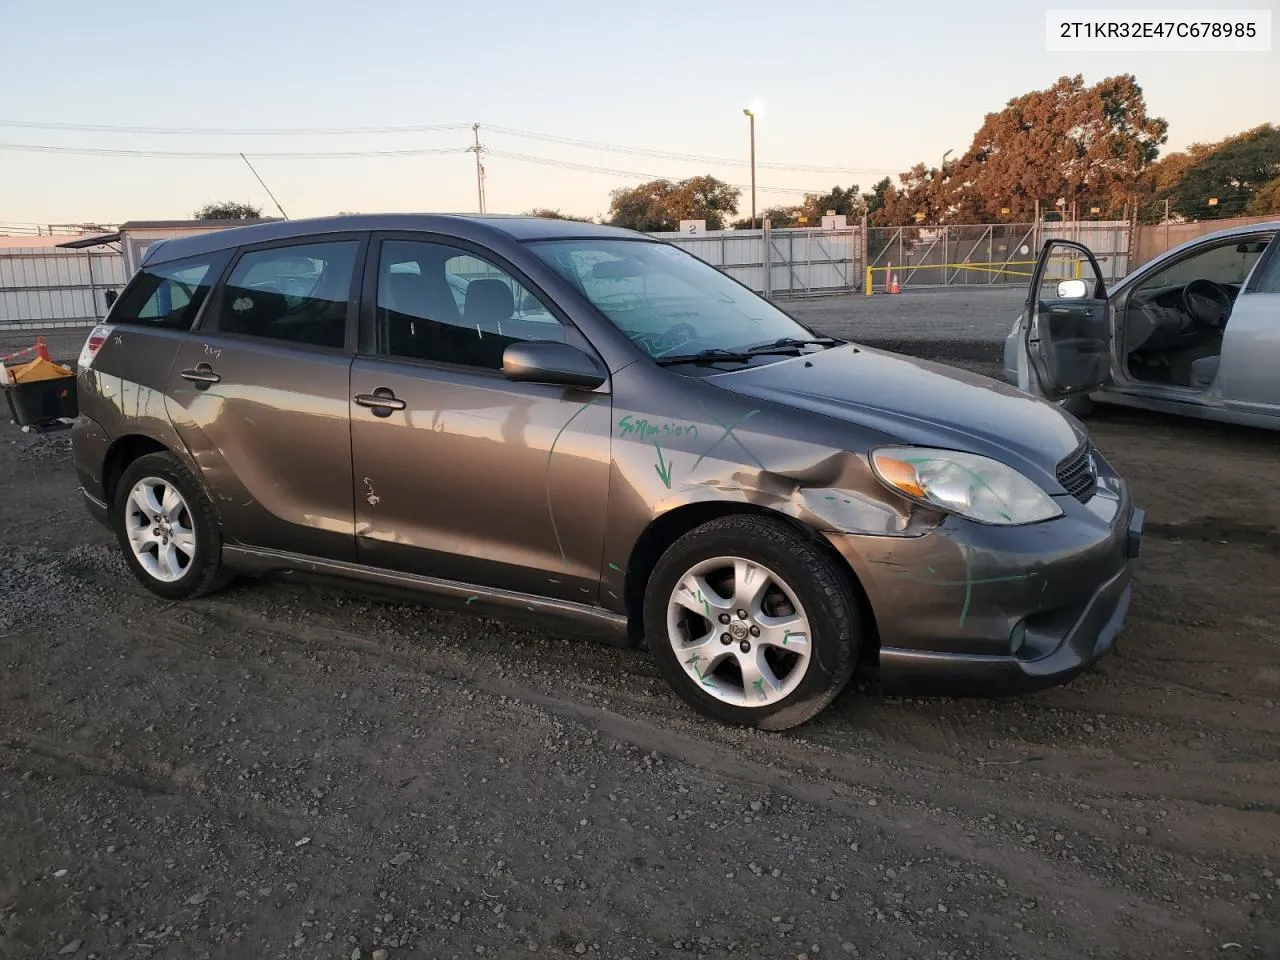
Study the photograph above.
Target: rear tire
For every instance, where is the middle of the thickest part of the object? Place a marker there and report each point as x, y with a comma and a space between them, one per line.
787, 658
167, 529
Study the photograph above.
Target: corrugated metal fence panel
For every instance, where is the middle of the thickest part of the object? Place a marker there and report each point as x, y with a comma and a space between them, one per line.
801, 261
1108, 239
46, 284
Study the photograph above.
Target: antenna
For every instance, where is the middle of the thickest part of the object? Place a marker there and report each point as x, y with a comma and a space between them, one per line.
264, 186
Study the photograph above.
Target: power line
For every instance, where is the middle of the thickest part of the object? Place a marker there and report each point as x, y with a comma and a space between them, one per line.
609, 171
231, 131
229, 155
669, 155
427, 128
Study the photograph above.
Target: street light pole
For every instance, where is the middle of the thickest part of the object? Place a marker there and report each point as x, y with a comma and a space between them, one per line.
752, 117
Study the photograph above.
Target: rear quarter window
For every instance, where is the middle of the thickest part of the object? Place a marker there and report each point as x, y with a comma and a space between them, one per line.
168, 296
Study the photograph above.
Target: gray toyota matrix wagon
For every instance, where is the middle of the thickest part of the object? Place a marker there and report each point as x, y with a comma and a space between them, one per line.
529, 417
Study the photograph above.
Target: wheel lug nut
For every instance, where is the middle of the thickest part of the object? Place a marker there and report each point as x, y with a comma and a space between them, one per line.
724, 618
755, 631
745, 646
742, 614
725, 638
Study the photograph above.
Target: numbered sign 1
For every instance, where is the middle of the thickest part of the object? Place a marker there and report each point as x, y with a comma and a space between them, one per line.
693, 228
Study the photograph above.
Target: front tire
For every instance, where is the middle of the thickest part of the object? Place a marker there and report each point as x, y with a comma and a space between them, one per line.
787, 609
167, 528
1079, 406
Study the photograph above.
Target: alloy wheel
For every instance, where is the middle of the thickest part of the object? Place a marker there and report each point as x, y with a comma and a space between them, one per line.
160, 529
739, 631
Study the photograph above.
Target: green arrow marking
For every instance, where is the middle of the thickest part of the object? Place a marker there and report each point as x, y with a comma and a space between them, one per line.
663, 466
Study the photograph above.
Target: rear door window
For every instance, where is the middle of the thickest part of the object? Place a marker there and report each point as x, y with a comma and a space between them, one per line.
169, 295
298, 293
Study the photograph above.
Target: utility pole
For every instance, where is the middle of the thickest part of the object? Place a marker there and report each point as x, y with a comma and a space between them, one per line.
477, 150
752, 117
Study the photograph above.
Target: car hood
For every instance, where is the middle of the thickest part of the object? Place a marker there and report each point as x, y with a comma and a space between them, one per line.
915, 401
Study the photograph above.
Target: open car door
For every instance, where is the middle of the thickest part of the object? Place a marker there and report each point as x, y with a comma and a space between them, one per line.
1066, 326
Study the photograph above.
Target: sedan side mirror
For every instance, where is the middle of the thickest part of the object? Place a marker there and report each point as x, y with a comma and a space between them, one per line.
1072, 290
546, 361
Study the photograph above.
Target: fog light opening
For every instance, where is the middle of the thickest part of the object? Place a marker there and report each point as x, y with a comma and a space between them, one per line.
1017, 637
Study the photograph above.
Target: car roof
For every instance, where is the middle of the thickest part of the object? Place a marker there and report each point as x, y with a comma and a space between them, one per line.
477, 227
1240, 230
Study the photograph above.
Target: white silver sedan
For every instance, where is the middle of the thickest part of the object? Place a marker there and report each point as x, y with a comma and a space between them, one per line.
1196, 331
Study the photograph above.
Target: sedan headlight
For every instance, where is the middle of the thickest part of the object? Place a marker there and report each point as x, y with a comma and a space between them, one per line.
971, 486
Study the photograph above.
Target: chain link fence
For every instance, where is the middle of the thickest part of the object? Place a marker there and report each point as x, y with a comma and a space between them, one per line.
983, 254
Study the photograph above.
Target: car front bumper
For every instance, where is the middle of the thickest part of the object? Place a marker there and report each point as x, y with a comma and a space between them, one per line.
984, 610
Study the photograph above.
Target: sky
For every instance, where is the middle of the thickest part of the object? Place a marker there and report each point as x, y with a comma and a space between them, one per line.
866, 88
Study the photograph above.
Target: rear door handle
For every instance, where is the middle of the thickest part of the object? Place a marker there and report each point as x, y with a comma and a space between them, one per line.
202, 376
382, 401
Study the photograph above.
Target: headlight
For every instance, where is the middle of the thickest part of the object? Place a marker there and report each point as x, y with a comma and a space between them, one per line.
978, 488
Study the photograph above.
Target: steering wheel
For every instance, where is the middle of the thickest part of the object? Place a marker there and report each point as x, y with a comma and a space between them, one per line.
1208, 303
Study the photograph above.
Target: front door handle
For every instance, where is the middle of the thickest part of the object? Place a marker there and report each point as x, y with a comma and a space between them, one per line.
382, 401
202, 376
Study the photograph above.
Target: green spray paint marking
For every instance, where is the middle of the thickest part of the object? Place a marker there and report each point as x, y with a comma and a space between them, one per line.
728, 432
550, 453
627, 426
759, 688
786, 638
614, 566
705, 605
663, 467
472, 599
693, 662
968, 588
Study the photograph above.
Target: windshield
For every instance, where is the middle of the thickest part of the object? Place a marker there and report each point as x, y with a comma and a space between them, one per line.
668, 301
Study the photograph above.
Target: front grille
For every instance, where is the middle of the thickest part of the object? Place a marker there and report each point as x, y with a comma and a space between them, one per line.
1077, 474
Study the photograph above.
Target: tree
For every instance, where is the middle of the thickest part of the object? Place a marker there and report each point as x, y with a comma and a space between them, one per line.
228, 210
1236, 171
1266, 200
839, 200
660, 205
547, 214
874, 201
1091, 145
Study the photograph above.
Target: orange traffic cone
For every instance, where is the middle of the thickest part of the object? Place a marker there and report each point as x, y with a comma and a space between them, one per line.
42, 349
893, 286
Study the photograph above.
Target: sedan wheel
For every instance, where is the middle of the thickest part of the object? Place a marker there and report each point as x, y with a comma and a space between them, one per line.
738, 630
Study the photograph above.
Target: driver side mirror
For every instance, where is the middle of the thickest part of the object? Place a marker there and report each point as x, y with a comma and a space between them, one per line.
546, 361
1072, 290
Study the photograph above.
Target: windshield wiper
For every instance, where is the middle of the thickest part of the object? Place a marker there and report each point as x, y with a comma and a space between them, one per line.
794, 342
717, 355
781, 347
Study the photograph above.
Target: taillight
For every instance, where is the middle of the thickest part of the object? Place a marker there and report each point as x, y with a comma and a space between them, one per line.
97, 337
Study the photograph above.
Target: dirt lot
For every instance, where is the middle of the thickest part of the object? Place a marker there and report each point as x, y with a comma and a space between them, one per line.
280, 770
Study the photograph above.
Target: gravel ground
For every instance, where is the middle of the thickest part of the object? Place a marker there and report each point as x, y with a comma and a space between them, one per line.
281, 770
